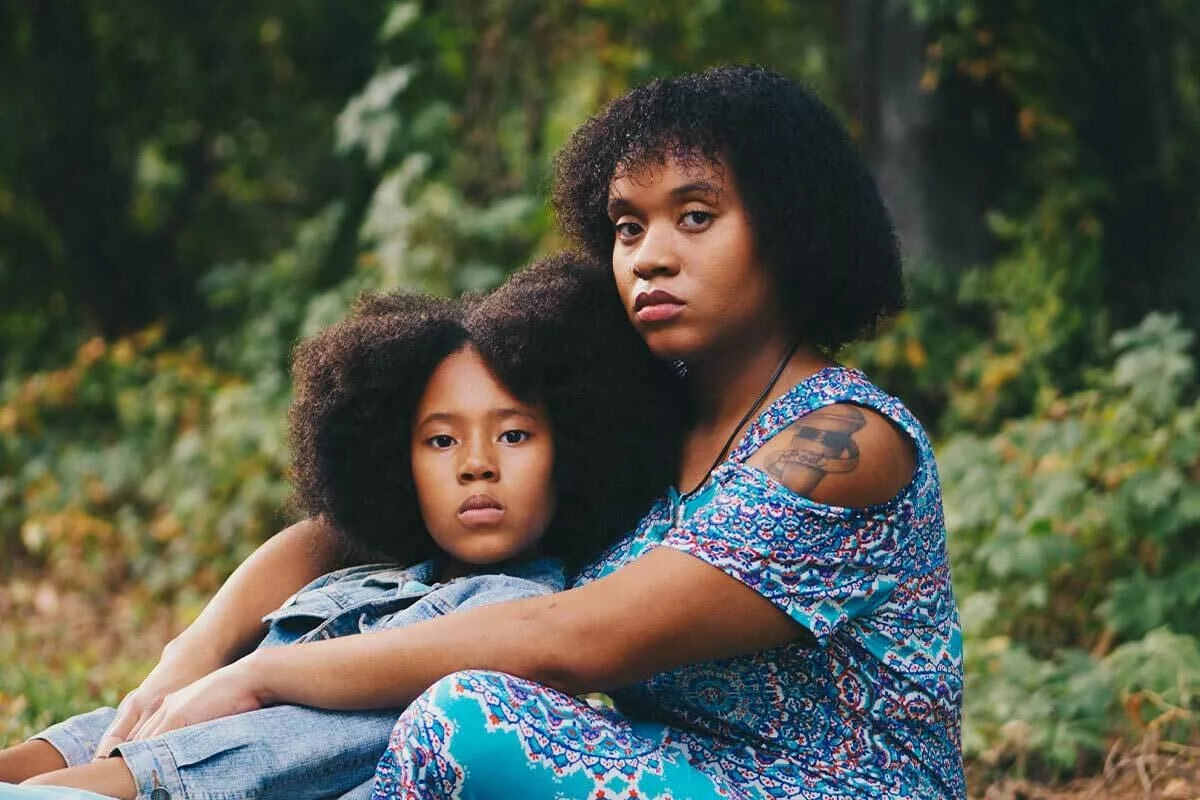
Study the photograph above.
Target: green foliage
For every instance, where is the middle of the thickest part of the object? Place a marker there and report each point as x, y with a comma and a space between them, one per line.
147, 142
1073, 528
1095, 109
138, 462
1060, 713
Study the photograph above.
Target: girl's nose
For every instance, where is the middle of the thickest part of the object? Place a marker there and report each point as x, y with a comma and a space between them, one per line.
479, 464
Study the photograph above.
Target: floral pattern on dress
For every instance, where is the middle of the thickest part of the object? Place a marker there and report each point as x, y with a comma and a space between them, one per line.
874, 709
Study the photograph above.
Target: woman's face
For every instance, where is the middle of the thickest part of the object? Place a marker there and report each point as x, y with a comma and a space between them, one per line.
482, 462
685, 261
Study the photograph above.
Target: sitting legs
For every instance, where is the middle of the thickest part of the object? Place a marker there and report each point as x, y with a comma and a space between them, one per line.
477, 734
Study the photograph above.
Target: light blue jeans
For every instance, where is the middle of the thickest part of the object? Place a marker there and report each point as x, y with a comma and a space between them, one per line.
10, 792
279, 752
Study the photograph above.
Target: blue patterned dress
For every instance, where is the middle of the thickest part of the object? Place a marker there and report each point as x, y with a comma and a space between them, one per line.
872, 710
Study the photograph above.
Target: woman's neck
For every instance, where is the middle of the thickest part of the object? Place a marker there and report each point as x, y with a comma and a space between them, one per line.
723, 391
723, 386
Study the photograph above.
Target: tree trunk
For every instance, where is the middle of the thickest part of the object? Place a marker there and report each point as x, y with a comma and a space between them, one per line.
933, 175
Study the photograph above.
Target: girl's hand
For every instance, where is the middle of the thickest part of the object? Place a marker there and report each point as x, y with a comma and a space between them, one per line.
231, 624
228, 691
175, 671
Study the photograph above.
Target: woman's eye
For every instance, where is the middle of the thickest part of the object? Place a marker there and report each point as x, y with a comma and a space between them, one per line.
696, 219
514, 437
441, 441
627, 230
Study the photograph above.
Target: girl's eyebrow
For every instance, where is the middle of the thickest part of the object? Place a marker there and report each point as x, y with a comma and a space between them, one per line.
495, 413
706, 189
505, 413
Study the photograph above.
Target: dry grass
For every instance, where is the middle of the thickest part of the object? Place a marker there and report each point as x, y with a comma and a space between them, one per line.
1147, 770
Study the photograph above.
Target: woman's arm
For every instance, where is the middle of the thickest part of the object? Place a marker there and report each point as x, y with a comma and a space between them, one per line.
663, 610
231, 624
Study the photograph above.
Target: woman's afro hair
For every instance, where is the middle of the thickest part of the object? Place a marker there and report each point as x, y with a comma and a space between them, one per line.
554, 333
819, 223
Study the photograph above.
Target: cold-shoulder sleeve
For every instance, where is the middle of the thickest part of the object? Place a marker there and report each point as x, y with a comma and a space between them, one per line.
822, 565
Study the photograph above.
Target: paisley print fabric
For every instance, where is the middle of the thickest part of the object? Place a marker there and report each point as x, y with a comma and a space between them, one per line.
480, 734
868, 707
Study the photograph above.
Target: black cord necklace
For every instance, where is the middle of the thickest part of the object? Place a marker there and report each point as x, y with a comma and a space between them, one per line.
685, 496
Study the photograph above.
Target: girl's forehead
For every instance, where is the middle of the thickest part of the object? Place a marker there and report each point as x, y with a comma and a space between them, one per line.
463, 372
464, 384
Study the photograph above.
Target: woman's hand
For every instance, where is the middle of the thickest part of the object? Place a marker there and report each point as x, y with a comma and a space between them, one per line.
228, 691
175, 671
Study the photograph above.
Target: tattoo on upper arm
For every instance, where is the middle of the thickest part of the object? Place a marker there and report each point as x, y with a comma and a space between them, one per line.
822, 444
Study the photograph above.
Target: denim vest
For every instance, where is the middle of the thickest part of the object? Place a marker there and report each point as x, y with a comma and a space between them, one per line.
375, 597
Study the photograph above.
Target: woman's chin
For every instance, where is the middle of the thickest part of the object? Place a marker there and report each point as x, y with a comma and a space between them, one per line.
669, 345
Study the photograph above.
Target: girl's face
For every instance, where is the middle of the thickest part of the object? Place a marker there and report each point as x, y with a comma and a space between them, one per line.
685, 261
482, 462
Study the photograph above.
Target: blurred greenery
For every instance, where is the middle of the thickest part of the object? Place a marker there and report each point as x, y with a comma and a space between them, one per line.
185, 193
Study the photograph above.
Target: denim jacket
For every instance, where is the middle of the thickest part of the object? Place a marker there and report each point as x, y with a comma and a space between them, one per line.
375, 597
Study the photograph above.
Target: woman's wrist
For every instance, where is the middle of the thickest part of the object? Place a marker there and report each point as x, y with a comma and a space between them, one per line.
259, 672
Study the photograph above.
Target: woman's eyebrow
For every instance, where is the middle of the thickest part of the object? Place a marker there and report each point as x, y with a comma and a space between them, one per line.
711, 191
707, 188
618, 205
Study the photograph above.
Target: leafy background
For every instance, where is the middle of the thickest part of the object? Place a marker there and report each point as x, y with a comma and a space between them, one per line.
185, 192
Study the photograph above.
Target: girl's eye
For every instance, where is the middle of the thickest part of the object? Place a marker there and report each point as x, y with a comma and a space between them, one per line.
441, 441
627, 230
514, 437
696, 219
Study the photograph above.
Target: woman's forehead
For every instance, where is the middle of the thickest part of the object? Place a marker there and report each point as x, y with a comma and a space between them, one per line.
671, 168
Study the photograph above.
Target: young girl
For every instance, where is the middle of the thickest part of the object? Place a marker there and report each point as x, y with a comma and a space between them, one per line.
479, 443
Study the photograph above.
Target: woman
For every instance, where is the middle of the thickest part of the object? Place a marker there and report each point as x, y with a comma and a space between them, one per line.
781, 625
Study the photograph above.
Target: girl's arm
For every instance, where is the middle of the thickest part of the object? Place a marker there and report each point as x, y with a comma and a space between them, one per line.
231, 624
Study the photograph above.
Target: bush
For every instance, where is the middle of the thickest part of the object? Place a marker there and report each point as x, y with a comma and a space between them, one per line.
1075, 529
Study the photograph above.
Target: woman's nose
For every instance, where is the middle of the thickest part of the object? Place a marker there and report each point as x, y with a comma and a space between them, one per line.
656, 256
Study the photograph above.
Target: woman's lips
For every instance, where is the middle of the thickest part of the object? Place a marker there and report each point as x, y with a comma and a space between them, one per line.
480, 511
657, 306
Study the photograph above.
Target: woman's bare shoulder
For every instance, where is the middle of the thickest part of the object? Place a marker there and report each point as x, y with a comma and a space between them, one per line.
841, 455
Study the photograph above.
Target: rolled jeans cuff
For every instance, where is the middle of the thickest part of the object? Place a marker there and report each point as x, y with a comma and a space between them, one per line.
154, 770
76, 738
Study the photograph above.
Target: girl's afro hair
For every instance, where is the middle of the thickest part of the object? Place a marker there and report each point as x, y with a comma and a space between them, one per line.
554, 333
819, 223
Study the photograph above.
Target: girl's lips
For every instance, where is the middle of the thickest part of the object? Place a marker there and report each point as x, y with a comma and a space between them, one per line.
481, 517
480, 511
